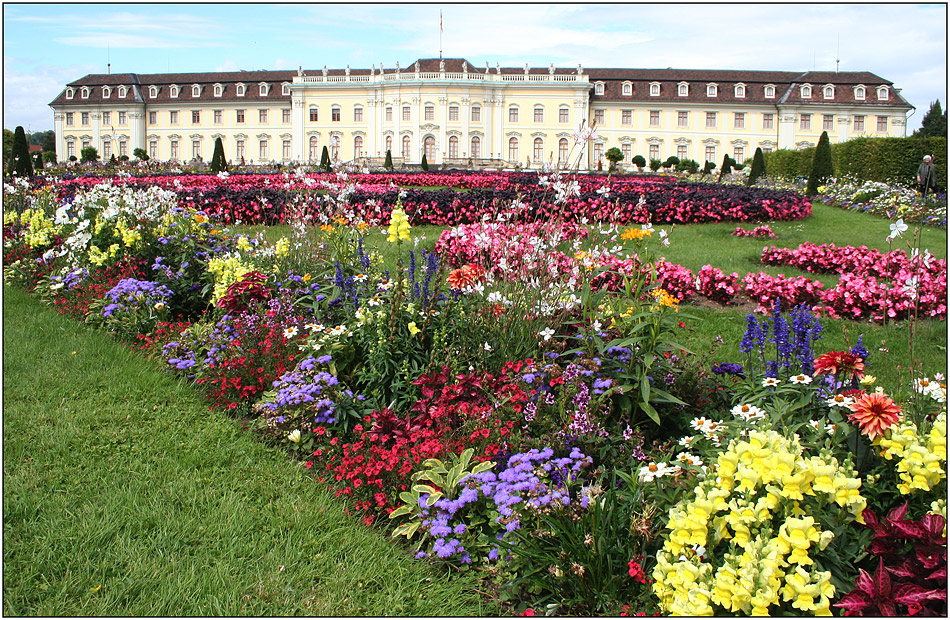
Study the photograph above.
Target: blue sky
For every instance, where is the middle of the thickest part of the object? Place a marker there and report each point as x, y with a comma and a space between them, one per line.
45, 45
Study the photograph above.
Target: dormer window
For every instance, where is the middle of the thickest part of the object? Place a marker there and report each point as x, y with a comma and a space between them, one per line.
882, 93
712, 90
806, 91
627, 89
740, 91
122, 90
828, 91
218, 90
173, 92
239, 89
770, 91
263, 90
285, 89
106, 92
654, 89
84, 93
195, 91
598, 88
153, 91
860, 92
69, 93
682, 89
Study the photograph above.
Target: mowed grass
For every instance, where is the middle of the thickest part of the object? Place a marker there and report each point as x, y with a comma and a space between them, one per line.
123, 495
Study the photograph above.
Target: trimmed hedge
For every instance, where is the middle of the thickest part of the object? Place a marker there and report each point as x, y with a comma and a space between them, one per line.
887, 160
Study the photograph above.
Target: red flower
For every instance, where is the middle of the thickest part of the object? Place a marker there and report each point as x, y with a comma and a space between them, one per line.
843, 362
874, 413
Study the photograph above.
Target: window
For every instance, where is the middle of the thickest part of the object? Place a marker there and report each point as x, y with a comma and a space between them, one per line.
173, 117
711, 153
153, 149
239, 116
882, 123
335, 148
262, 116
627, 89
406, 113
740, 91
626, 117
84, 93
739, 121
626, 149
106, 149
738, 153
454, 113
710, 119
85, 144
358, 146
654, 118
285, 116
562, 151
263, 90
240, 90
682, 90
655, 89
106, 92
195, 91
828, 122
859, 93
285, 149
513, 149
858, 123
195, 149
106, 118
69, 93
882, 93
453, 147
428, 113
766, 149
173, 92
805, 122
828, 92
195, 117
123, 118
239, 149
599, 151
122, 91
598, 88
314, 148
314, 115
712, 90
357, 114
335, 114
476, 147
476, 113
429, 146
218, 116
769, 92
538, 153
123, 148
389, 143
173, 149
768, 121
406, 148
218, 90
654, 151
153, 91
539, 115
69, 119
563, 115
682, 119
285, 89
153, 118
806, 91
681, 151
263, 149
389, 113
513, 115
70, 149
599, 117
84, 119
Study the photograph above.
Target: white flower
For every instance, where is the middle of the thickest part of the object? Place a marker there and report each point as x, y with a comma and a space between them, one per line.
838, 400
748, 413
910, 287
689, 459
653, 471
665, 238
487, 347
294, 436
897, 228
546, 333
770, 382
290, 332
647, 226
801, 379
596, 325
687, 441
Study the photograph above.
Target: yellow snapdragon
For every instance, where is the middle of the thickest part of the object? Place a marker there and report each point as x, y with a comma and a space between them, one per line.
398, 225
41, 229
226, 271
922, 460
282, 247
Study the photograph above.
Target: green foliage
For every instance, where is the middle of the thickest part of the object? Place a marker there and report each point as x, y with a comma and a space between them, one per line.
89, 154
425, 163
614, 156
822, 167
934, 124
49, 157
388, 164
37, 161
140, 154
218, 162
708, 167
325, 159
49, 140
639, 161
7, 146
21, 165
112, 160
655, 164
671, 162
758, 166
727, 164
688, 165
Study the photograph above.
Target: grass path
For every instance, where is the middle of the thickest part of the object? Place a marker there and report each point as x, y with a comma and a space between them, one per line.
124, 495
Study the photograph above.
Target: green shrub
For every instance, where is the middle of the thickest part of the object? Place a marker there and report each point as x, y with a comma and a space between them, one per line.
655, 164
89, 154
425, 162
22, 166
671, 161
140, 154
822, 167
218, 162
49, 157
688, 165
758, 167
639, 161
388, 165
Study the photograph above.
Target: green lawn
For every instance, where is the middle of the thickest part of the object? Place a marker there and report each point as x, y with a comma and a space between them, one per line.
123, 495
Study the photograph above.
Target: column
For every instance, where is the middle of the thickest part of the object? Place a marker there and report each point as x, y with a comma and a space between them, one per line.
444, 118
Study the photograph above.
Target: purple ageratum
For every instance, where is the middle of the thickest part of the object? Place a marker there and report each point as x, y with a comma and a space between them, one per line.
130, 293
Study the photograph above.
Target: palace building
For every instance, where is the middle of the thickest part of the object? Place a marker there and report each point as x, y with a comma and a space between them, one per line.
459, 115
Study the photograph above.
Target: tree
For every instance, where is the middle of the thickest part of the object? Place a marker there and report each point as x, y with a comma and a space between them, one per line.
614, 155
758, 167
822, 168
49, 157
655, 164
218, 162
49, 141
7, 146
37, 160
325, 159
934, 124
22, 165
639, 161
388, 164
708, 167
113, 161
671, 161
140, 154
425, 163
89, 154
727, 164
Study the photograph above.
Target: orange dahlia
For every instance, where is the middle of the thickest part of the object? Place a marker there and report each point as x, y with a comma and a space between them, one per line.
874, 413
465, 276
840, 362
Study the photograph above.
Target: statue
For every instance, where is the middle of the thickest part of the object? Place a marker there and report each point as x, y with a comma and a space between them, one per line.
526, 68
464, 67
300, 71
487, 67
551, 69
347, 69
580, 69
325, 71
498, 68
441, 66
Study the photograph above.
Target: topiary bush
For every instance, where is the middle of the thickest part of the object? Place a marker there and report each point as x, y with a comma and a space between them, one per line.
639, 161
822, 168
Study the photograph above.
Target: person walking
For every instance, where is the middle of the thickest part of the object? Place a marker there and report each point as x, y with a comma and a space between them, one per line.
926, 176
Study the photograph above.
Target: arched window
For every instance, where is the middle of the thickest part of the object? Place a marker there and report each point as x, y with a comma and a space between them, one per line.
285, 89
627, 89
195, 91
84, 93
389, 143
335, 148
406, 146
240, 89
712, 90
740, 91
770, 91
429, 145
806, 92
453, 147
829, 92
218, 90
513, 149
263, 90
153, 91
106, 92
682, 90
562, 151
358, 146
173, 92
598, 88
538, 149
314, 148
476, 147
122, 91
859, 93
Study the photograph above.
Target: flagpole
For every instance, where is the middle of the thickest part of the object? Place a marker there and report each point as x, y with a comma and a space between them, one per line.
440, 35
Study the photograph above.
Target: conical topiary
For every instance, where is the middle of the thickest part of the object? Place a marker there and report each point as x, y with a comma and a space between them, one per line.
425, 163
218, 162
325, 159
727, 163
22, 166
822, 167
388, 164
758, 166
